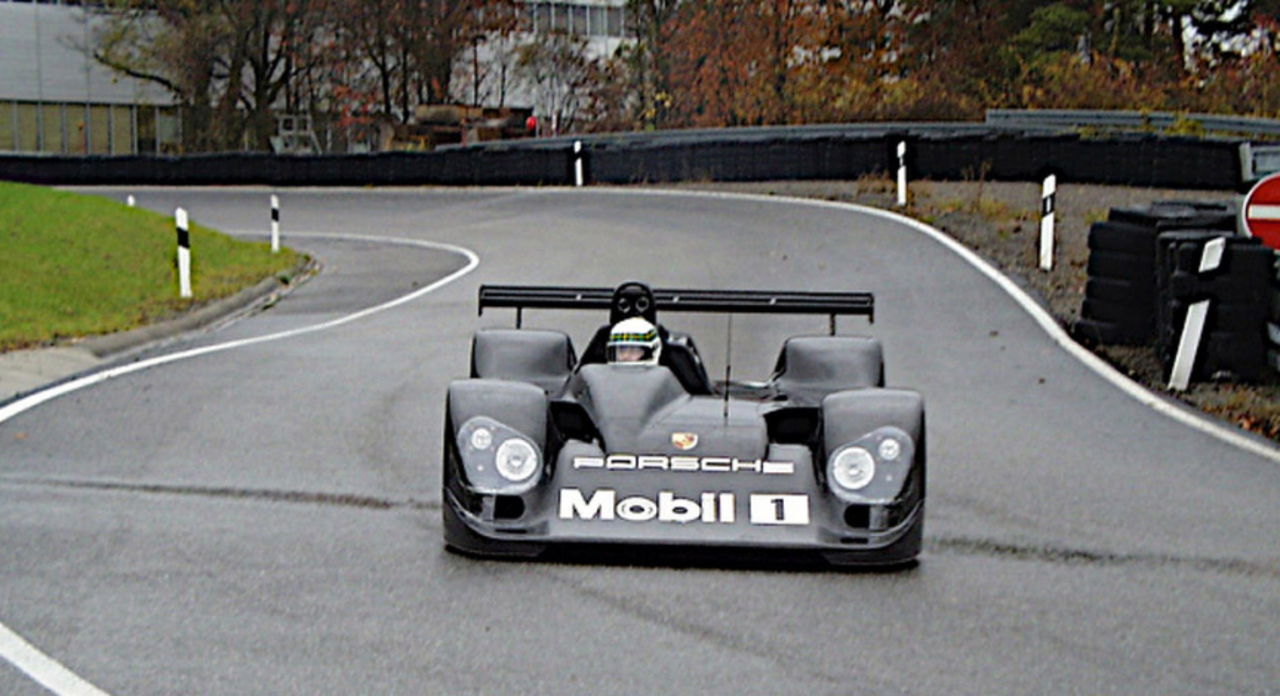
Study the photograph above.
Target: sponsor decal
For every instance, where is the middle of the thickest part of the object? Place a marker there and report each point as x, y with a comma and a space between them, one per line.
684, 441
661, 462
712, 508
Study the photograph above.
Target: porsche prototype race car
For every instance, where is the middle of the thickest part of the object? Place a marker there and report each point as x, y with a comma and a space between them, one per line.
547, 451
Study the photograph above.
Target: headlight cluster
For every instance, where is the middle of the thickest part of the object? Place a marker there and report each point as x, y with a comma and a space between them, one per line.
853, 468
874, 467
498, 459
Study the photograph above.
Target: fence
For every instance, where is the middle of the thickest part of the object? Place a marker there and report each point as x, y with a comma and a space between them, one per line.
941, 152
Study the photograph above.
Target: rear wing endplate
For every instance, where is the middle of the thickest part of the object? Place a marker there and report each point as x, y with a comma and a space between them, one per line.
831, 304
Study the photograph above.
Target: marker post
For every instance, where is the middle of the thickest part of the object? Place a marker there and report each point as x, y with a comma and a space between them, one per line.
1184, 360
184, 253
1048, 203
902, 174
275, 224
577, 163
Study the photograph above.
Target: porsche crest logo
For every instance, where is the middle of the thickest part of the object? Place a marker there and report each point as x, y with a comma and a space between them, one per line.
684, 441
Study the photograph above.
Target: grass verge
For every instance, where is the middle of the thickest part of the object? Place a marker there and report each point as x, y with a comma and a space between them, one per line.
74, 265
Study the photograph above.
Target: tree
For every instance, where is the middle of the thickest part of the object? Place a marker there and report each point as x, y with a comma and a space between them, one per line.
227, 63
564, 75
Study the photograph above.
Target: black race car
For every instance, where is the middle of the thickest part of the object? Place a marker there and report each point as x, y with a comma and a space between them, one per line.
548, 452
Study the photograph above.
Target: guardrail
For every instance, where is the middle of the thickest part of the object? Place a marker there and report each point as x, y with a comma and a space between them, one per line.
1130, 120
940, 129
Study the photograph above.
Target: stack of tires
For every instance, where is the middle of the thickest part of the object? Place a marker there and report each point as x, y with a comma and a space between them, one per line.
1120, 295
1239, 291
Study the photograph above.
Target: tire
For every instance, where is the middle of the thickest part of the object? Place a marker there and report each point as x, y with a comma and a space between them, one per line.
1243, 258
1124, 238
1172, 215
1241, 356
1093, 331
1138, 295
1233, 290
1134, 321
1244, 320
1120, 266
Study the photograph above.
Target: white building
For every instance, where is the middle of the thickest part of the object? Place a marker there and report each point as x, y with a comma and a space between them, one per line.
490, 74
56, 100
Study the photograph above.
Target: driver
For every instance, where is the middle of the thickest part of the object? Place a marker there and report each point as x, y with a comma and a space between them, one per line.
635, 301
633, 341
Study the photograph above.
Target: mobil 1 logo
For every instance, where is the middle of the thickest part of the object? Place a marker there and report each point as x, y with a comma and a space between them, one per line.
605, 504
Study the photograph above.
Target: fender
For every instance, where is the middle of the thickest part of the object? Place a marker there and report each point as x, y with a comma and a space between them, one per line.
518, 405
848, 415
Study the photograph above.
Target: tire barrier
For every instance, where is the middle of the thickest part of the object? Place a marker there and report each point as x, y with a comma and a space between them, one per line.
748, 154
1120, 295
1237, 287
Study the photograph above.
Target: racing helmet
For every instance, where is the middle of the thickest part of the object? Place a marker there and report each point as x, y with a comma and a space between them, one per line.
633, 299
633, 341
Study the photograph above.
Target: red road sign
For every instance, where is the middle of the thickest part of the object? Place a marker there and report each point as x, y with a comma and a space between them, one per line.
1262, 211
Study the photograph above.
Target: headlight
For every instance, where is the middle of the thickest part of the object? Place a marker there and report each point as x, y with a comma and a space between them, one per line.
889, 449
853, 468
481, 438
497, 459
516, 460
873, 468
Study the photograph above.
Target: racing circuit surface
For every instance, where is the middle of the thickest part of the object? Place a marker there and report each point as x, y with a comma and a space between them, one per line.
266, 519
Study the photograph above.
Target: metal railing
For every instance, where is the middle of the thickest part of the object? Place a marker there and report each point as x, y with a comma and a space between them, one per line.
1131, 120
913, 129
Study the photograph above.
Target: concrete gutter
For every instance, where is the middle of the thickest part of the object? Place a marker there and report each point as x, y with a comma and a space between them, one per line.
26, 371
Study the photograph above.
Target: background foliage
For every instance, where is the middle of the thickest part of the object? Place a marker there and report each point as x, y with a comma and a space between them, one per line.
695, 63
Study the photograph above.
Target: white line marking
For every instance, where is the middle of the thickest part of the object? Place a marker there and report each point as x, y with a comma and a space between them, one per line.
1264, 212
33, 400
1158, 403
45, 670
42, 668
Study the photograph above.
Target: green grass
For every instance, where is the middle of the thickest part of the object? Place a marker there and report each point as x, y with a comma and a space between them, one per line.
73, 265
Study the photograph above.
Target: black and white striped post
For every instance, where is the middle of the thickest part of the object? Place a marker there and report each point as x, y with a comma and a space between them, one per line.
184, 253
1048, 208
275, 224
1193, 328
902, 174
577, 163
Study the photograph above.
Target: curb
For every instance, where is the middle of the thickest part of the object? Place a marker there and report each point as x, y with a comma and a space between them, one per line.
265, 292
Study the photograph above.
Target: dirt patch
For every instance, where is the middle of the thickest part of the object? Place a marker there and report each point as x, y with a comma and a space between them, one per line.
1000, 221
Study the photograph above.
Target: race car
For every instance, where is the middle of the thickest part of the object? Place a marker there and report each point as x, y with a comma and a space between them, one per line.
548, 452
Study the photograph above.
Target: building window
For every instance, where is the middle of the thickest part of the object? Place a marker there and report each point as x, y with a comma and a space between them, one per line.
585, 20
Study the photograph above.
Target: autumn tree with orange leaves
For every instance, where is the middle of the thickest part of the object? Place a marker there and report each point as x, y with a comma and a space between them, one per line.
743, 62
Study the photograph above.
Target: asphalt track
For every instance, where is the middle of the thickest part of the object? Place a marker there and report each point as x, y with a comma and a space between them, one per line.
265, 519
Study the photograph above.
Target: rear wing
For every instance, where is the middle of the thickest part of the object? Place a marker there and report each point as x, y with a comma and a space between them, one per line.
831, 304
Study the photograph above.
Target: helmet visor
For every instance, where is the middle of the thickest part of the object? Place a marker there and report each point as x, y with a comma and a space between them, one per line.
633, 353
